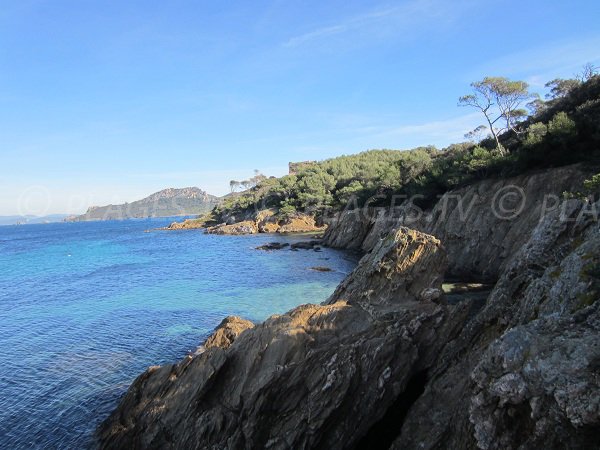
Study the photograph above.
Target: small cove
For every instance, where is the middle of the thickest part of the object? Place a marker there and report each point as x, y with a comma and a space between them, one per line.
86, 307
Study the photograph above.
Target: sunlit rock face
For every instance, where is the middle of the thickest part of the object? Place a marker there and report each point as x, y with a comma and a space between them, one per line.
320, 376
266, 221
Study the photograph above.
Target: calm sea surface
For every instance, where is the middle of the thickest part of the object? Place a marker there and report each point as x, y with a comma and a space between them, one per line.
86, 307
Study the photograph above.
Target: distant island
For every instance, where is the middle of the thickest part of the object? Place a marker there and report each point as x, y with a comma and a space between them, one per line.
168, 202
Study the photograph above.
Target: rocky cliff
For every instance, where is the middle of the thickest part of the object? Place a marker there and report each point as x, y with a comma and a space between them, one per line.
319, 376
386, 362
481, 225
524, 373
263, 221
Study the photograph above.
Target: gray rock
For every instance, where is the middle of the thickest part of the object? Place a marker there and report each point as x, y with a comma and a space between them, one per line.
515, 356
305, 245
273, 246
538, 386
481, 226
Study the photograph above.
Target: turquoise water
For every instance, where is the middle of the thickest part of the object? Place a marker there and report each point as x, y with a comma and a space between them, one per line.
86, 307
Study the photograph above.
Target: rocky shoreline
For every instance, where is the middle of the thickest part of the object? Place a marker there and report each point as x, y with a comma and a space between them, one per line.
264, 221
391, 359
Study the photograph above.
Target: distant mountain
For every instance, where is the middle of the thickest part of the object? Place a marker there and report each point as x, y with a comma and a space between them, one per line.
22, 220
168, 202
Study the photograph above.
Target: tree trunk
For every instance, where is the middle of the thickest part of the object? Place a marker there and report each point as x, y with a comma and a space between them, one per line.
498, 145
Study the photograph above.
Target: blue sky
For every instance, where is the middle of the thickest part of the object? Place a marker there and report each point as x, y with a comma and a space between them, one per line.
108, 101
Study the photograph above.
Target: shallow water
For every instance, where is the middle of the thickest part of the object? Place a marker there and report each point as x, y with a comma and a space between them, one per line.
86, 307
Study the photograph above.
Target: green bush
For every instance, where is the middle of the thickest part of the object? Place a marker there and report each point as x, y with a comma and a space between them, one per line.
287, 210
593, 184
561, 125
536, 133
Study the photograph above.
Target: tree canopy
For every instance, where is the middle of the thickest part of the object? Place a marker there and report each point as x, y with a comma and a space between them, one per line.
499, 100
563, 131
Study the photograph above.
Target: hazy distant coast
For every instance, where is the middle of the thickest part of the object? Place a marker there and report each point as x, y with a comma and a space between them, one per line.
166, 203
23, 220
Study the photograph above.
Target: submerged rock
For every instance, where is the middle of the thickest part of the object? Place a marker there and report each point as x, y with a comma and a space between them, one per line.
305, 245
273, 246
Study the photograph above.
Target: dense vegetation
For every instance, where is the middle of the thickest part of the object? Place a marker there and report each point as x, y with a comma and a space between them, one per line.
562, 130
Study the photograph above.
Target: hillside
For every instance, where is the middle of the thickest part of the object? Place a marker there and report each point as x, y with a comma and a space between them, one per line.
165, 203
560, 132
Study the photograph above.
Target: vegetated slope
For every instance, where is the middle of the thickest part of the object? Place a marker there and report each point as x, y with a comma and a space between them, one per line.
168, 202
563, 131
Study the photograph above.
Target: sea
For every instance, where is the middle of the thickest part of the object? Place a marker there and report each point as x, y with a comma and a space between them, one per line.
86, 307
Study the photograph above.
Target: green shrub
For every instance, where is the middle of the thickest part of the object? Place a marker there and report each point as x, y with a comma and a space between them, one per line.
561, 125
287, 210
593, 184
535, 134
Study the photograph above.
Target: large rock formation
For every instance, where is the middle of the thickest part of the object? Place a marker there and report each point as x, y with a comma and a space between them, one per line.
316, 377
481, 225
524, 373
268, 221
244, 227
263, 221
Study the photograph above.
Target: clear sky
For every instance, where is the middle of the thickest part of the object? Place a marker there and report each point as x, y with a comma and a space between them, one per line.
108, 101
